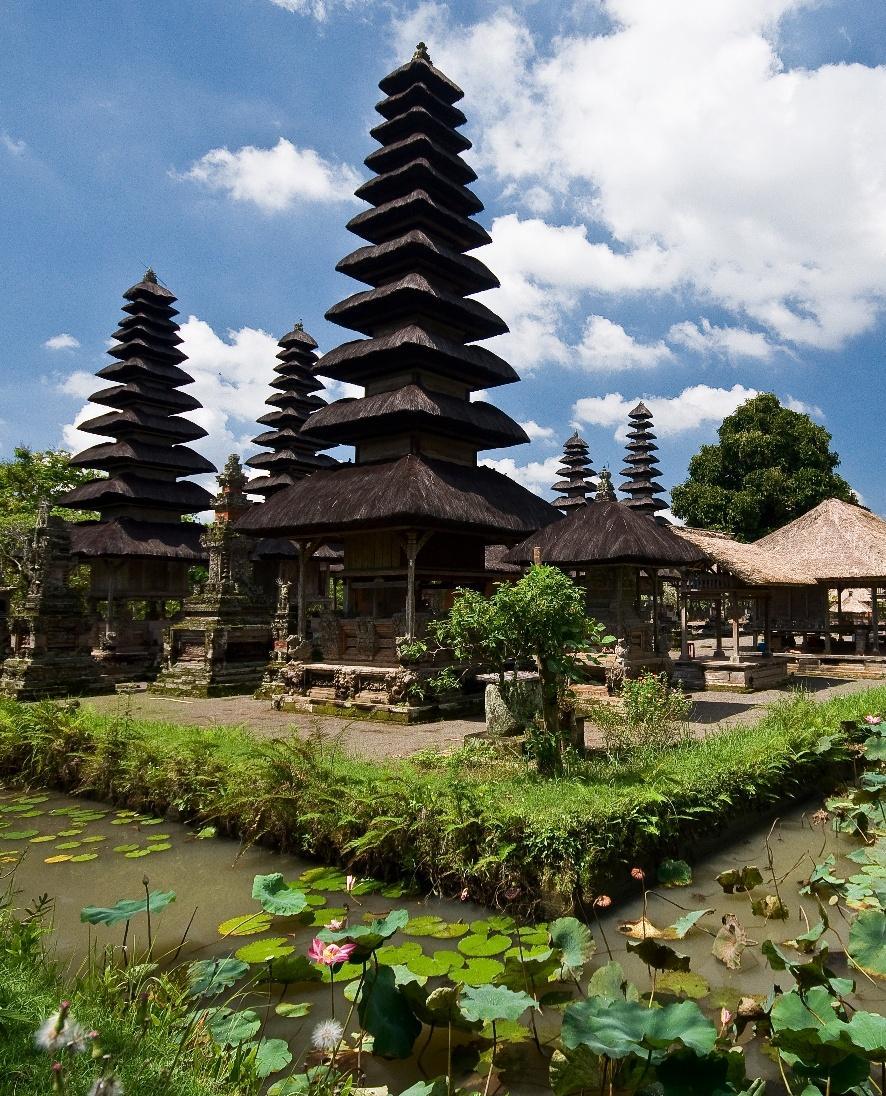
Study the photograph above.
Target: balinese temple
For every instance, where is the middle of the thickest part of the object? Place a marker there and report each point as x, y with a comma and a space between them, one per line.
140, 549
641, 470
575, 483
416, 432
292, 453
605, 488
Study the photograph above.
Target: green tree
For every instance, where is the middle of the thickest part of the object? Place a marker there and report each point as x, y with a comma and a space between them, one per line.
538, 621
770, 466
29, 479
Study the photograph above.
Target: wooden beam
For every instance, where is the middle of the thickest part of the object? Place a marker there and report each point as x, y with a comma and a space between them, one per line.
736, 638
875, 622
684, 623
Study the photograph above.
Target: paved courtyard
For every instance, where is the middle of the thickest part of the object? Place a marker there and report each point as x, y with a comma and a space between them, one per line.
377, 741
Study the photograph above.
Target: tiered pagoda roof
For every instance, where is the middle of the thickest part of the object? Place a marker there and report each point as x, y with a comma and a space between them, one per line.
641, 465
415, 429
575, 471
146, 457
293, 454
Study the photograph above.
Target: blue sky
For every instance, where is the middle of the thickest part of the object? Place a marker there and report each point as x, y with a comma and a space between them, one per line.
687, 202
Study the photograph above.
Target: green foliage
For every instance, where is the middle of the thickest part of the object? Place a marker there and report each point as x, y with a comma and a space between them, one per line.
770, 466
126, 909
538, 621
650, 717
277, 897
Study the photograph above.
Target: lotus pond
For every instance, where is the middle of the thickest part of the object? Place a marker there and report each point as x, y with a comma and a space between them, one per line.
765, 960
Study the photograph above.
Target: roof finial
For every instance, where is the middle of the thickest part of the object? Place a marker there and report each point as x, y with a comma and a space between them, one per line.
150, 276
421, 53
298, 326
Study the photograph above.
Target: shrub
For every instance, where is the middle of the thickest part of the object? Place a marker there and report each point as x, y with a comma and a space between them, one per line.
650, 717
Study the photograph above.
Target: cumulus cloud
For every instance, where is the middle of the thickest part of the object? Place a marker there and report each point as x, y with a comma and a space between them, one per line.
232, 375
536, 475
63, 341
688, 158
697, 406
274, 179
729, 342
607, 346
536, 432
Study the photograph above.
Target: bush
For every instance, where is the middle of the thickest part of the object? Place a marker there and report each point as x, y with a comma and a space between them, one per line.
650, 717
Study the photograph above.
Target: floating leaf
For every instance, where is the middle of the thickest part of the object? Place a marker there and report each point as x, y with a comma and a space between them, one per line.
325, 879
163, 846
322, 917
436, 966
207, 977
82, 857
367, 937
18, 835
294, 968
43, 840
493, 1003
451, 931
57, 859
293, 1010
641, 929
608, 981
483, 946
69, 833
277, 897
126, 908
93, 839
477, 972
137, 854
424, 926
125, 848
69, 845
683, 924
867, 942
674, 873
658, 956
682, 983
260, 951
392, 954
247, 924
574, 940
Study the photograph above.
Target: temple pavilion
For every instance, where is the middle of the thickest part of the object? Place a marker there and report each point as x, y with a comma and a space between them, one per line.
415, 511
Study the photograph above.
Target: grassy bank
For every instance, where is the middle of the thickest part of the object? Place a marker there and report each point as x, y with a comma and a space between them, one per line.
470, 819
141, 1020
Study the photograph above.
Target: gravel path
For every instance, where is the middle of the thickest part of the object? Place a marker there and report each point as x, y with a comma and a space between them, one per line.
376, 741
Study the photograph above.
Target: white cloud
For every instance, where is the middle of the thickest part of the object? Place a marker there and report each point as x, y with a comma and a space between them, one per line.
536, 432
274, 179
694, 407
318, 9
810, 409
730, 342
706, 167
12, 146
607, 346
63, 341
536, 475
339, 390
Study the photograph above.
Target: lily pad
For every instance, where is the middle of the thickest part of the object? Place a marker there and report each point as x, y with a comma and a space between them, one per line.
424, 926
93, 839
493, 1003
137, 854
247, 924
42, 840
867, 942
82, 857
162, 846
260, 951
57, 859
682, 983
126, 908
64, 845
125, 848
18, 835
477, 972
740, 879
324, 879
290, 969
483, 946
293, 1010
229, 1028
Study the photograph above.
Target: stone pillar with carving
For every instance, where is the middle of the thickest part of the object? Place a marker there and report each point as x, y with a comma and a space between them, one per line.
55, 658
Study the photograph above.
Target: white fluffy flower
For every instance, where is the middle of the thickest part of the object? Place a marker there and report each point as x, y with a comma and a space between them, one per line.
327, 1035
61, 1032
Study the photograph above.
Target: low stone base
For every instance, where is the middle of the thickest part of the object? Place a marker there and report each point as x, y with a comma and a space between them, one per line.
198, 680
689, 675
52, 678
747, 676
845, 667
380, 713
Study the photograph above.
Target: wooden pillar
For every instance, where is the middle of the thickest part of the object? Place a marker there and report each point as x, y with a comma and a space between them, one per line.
827, 628
755, 635
684, 623
301, 599
411, 552
619, 607
655, 644
875, 622
736, 639
718, 627
767, 622
840, 614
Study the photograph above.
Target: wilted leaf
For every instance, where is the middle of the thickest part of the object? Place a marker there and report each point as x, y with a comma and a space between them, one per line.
730, 942
740, 879
771, 907
658, 956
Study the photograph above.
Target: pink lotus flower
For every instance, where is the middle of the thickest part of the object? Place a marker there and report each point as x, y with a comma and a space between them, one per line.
329, 955
873, 719
638, 874
603, 901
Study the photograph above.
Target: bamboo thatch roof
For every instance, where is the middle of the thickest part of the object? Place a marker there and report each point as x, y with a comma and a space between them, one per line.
604, 533
837, 543
411, 490
749, 563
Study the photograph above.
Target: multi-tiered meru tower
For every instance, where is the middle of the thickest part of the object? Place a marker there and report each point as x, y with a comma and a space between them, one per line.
641, 465
575, 484
140, 548
292, 453
416, 431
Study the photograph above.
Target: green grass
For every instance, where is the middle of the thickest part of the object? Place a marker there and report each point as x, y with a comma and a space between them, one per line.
151, 1050
471, 819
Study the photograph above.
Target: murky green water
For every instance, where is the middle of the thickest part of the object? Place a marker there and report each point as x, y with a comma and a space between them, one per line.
98, 855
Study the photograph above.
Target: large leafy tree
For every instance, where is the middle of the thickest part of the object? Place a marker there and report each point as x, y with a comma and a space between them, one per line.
30, 478
770, 466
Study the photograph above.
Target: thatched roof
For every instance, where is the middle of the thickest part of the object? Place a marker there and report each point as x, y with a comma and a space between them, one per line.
606, 533
836, 542
412, 490
496, 562
749, 563
130, 539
